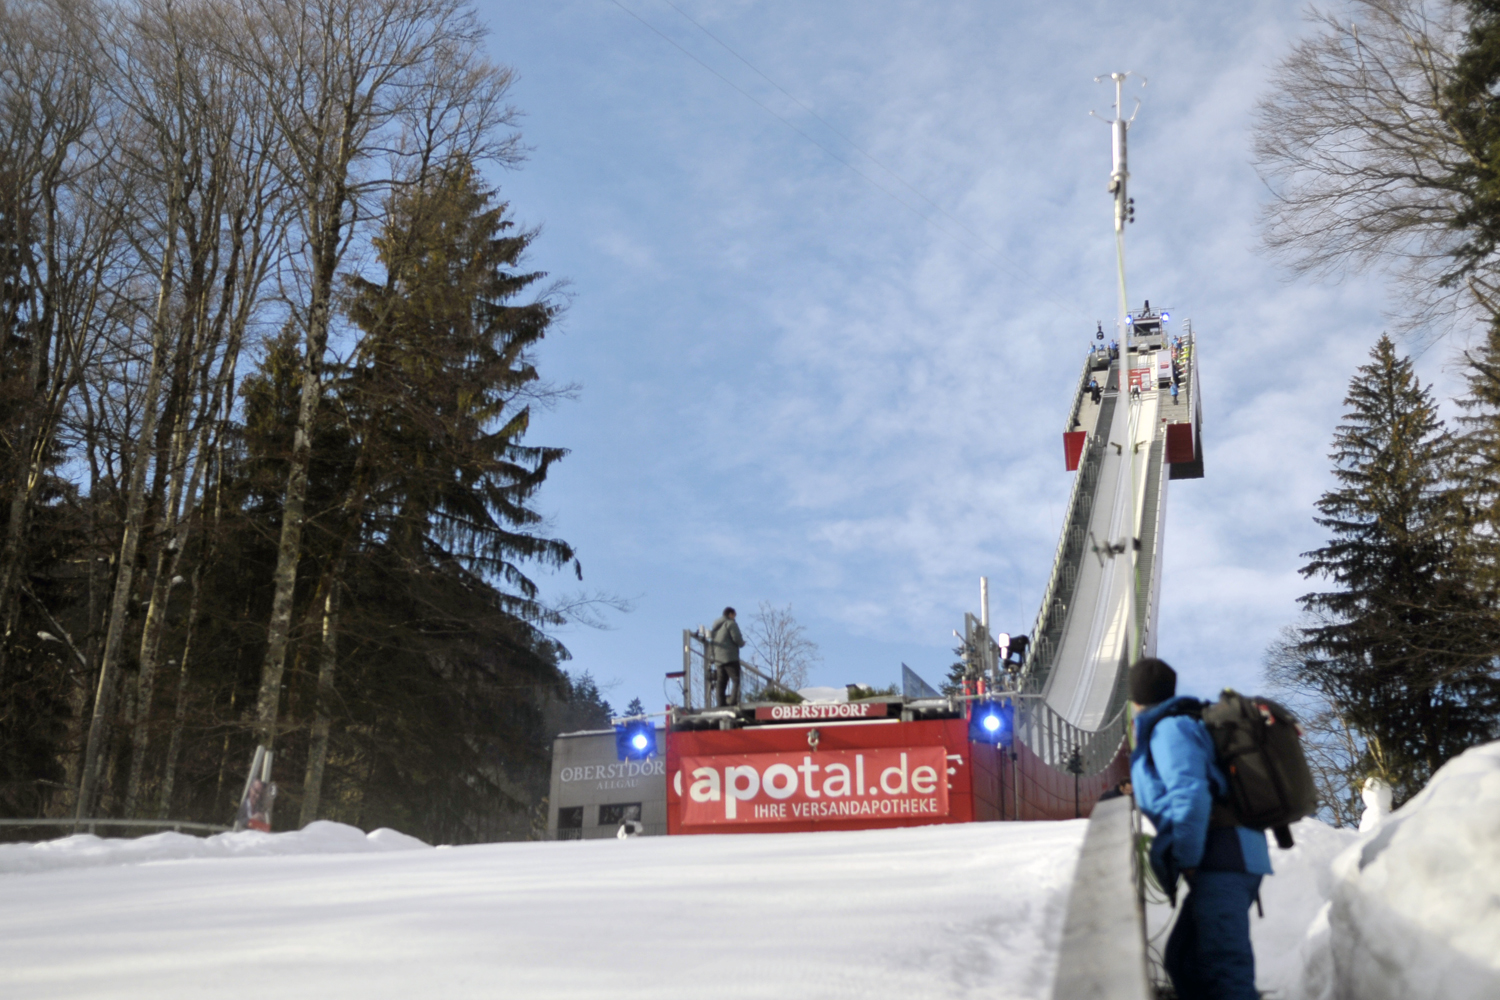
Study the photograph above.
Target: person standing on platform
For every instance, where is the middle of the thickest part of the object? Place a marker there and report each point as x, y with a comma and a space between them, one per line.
1177, 779
726, 641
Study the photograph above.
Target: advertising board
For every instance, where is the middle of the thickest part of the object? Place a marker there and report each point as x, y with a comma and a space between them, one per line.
822, 710
839, 784
828, 775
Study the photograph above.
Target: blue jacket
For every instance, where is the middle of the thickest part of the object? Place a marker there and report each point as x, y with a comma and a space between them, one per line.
1175, 784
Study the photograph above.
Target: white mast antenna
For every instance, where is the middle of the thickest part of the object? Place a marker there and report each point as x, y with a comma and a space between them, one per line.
1119, 177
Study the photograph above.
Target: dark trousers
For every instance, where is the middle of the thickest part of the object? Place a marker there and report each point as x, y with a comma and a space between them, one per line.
1208, 955
726, 671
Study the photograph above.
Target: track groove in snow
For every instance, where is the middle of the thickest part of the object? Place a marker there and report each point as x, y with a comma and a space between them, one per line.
942, 911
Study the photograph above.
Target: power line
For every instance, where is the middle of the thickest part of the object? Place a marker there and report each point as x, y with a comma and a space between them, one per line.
999, 258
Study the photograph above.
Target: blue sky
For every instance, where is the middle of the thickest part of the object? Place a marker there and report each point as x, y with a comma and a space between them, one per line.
797, 389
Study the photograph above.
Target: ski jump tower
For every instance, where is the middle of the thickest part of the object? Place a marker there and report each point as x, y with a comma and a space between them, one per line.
1034, 736
1135, 424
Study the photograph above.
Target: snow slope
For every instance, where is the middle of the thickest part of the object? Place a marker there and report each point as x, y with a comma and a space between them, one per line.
939, 911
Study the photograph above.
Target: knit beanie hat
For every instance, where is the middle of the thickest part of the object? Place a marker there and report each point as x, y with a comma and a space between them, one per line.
1152, 682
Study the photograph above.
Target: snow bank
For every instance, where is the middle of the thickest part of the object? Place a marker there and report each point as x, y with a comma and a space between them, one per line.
970, 910
821, 694
1414, 908
1408, 909
1292, 899
87, 851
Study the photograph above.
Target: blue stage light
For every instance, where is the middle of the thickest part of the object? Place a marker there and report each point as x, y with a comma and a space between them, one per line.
635, 739
1166, 317
992, 722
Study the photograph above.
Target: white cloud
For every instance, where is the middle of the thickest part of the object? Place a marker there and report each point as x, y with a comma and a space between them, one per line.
797, 390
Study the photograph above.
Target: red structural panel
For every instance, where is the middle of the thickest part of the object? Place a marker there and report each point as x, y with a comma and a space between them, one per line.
1047, 792
1073, 442
1180, 443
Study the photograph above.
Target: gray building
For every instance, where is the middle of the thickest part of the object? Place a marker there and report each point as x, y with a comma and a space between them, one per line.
593, 791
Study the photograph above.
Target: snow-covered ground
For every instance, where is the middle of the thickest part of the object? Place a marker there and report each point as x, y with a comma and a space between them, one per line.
1408, 909
940, 911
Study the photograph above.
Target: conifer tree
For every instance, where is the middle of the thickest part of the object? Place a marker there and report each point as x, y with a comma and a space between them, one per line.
435, 539
441, 392
1398, 646
1479, 451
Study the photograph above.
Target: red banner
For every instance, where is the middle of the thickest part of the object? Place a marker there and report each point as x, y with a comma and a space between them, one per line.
822, 710
875, 783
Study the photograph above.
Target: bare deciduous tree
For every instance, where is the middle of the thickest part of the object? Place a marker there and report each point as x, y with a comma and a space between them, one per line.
174, 77
1357, 144
198, 182
779, 646
1339, 755
66, 222
62, 223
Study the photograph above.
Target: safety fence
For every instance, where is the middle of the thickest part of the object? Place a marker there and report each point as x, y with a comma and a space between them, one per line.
1055, 740
91, 825
698, 667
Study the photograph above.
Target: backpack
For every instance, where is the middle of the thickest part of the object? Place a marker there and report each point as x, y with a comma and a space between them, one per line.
1258, 746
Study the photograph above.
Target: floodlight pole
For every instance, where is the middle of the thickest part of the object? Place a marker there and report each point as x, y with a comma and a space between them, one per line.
987, 656
1119, 176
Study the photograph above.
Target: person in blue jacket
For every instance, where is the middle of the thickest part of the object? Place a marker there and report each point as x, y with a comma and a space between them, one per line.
1177, 784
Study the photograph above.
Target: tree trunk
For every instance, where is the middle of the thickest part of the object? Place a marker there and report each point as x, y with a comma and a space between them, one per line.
114, 639
168, 561
317, 749
289, 551
145, 681
224, 754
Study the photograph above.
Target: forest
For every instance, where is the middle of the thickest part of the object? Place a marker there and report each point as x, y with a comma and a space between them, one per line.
267, 339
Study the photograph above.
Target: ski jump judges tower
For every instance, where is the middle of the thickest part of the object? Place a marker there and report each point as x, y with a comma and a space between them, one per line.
1039, 730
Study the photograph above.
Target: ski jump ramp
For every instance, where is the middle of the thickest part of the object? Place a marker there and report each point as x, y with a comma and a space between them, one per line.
1124, 443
